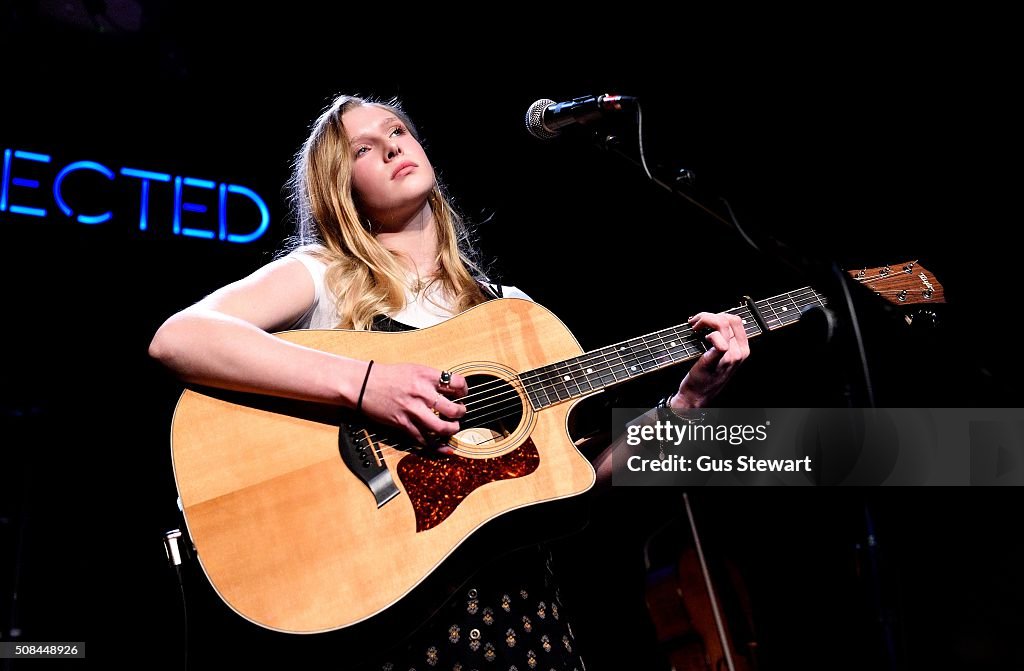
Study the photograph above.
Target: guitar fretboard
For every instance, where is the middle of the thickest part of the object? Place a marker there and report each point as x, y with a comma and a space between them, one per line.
608, 366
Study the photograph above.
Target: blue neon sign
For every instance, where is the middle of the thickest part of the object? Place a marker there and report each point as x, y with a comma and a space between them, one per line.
24, 195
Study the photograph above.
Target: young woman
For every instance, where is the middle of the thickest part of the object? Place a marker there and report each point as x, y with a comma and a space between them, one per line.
379, 247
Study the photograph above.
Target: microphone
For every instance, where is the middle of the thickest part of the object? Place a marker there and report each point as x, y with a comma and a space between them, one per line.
545, 118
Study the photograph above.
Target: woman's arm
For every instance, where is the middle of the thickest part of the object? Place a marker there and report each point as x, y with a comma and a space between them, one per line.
705, 379
223, 341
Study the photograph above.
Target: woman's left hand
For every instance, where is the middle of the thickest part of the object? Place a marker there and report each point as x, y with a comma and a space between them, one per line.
729, 348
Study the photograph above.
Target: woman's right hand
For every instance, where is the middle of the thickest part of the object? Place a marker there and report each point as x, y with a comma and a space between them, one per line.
412, 398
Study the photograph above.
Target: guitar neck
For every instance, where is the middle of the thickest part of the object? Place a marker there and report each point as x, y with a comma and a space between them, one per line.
602, 368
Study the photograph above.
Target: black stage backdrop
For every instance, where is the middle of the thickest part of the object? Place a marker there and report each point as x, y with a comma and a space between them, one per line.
847, 137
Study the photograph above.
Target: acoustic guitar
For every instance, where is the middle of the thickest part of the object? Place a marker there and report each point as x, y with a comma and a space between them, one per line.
308, 519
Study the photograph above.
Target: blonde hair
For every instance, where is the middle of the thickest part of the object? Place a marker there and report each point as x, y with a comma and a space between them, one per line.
368, 278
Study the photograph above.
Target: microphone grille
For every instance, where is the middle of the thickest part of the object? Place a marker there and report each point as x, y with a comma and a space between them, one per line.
535, 120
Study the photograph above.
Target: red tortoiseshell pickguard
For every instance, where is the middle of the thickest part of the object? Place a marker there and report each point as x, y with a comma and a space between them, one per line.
436, 486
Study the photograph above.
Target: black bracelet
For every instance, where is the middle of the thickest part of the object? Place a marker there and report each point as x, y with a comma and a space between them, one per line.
359, 403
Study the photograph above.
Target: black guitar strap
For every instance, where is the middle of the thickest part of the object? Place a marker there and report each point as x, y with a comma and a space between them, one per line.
491, 290
385, 323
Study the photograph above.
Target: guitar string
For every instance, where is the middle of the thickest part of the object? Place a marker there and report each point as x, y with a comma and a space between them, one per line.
516, 407
476, 396
796, 297
501, 406
682, 330
644, 361
510, 393
750, 327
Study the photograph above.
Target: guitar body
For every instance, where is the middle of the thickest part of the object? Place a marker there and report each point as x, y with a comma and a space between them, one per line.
306, 519
290, 537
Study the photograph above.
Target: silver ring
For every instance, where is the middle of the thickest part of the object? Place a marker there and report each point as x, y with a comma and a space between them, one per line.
445, 379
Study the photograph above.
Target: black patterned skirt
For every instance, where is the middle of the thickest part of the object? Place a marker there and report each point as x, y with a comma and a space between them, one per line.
507, 617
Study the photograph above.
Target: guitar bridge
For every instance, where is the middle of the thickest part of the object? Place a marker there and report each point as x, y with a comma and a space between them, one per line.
362, 457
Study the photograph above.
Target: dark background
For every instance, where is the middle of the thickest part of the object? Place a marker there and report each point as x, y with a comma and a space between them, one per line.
856, 139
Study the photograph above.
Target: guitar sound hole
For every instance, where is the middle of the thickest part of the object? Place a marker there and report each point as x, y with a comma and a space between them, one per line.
493, 411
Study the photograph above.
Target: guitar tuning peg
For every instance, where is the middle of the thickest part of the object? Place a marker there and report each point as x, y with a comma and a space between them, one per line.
863, 272
909, 268
885, 271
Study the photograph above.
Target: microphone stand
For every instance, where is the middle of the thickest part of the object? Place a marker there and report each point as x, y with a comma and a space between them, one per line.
828, 277
835, 284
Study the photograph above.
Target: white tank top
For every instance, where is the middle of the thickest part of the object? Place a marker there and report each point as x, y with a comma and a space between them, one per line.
420, 310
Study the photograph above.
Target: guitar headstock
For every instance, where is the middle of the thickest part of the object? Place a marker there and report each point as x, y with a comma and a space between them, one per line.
907, 283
